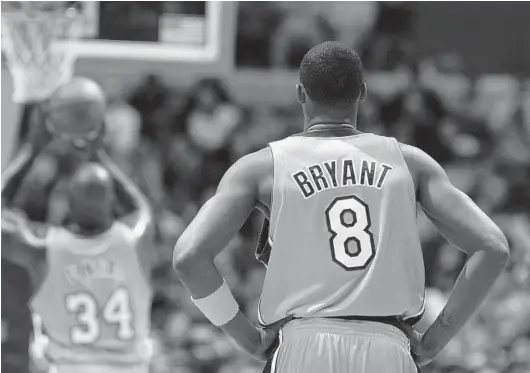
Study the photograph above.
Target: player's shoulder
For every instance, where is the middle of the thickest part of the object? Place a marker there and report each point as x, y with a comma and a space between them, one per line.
414, 155
123, 230
421, 165
253, 167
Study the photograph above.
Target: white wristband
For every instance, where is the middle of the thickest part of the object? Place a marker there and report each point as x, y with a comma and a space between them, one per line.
219, 307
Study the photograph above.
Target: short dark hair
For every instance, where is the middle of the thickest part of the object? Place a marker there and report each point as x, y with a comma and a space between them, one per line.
332, 74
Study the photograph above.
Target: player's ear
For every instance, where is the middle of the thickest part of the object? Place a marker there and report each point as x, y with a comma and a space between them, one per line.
300, 93
364, 91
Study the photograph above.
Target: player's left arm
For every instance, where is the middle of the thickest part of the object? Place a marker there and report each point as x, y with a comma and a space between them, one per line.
466, 226
213, 228
140, 218
15, 221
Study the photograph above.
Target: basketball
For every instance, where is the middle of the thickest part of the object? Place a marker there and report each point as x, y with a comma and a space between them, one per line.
60, 126
76, 110
74, 129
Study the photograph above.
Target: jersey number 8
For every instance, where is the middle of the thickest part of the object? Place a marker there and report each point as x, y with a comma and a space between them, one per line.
348, 220
117, 311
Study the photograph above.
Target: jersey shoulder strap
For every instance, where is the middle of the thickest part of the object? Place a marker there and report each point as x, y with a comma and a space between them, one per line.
125, 231
54, 238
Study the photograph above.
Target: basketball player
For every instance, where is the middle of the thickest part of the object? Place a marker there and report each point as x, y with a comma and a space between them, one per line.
345, 272
94, 301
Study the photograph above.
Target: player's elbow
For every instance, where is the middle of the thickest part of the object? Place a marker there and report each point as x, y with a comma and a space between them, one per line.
181, 257
185, 257
497, 246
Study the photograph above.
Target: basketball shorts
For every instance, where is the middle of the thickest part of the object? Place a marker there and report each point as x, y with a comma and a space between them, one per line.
314, 345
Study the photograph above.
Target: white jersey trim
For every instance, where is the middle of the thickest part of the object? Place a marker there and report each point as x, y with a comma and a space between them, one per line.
274, 363
418, 314
277, 197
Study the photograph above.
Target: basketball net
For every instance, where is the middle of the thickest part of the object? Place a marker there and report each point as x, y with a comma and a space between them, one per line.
39, 46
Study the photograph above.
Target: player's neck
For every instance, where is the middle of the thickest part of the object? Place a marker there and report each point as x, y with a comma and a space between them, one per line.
90, 229
323, 122
333, 117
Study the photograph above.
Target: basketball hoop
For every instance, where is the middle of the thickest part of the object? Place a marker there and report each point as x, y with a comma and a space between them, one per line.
38, 41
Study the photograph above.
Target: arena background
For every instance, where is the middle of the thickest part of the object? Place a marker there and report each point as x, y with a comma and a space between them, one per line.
194, 86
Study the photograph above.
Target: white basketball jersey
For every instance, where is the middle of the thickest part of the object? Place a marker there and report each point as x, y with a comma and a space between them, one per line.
342, 230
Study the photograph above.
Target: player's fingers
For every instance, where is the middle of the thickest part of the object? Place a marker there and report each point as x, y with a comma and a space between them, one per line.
409, 330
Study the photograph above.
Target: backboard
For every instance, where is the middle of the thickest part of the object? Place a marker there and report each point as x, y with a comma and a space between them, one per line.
169, 31
166, 31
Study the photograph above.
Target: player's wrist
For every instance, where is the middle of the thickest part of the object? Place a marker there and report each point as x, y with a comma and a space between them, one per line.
220, 307
430, 346
243, 332
260, 349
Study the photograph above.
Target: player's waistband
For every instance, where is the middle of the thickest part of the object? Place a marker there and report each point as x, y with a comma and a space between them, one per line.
347, 326
394, 321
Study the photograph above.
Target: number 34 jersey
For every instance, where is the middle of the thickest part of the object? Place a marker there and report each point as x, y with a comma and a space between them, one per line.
95, 300
342, 231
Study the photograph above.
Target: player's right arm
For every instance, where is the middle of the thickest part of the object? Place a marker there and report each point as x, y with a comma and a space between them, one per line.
140, 218
13, 220
466, 226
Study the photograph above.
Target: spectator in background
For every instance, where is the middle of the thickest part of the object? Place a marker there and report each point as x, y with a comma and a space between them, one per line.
416, 117
390, 45
135, 155
278, 34
253, 41
511, 155
211, 116
353, 21
211, 120
182, 171
301, 30
147, 98
123, 125
264, 125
